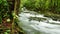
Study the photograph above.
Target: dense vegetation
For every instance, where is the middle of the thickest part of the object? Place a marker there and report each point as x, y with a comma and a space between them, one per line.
7, 17
3, 3
42, 5
50, 8
4, 13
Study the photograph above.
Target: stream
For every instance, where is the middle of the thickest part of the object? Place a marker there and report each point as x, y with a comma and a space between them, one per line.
34, 23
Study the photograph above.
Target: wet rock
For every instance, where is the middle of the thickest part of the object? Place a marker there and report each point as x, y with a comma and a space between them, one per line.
54, 17
37, 19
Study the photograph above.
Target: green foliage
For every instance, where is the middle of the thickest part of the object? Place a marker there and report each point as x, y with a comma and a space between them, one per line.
51, 5
29, 4
7, 32
4, 9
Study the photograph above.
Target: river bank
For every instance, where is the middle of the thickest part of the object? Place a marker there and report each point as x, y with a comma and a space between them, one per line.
52, 15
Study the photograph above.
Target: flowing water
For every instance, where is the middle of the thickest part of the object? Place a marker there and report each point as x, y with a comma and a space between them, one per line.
34, 23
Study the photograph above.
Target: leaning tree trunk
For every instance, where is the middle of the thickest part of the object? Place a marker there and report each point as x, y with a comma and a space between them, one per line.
16, 10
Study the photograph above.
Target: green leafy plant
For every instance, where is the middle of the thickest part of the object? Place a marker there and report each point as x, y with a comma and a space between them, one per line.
4, 9
43, 5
